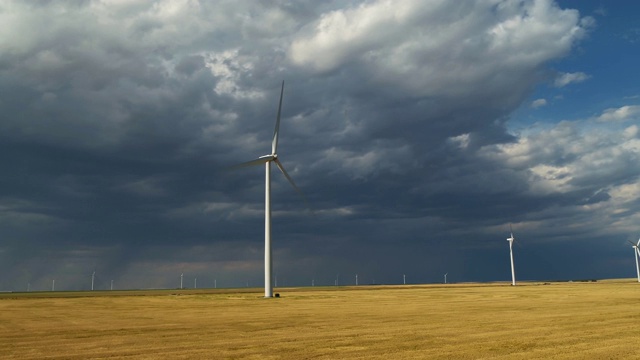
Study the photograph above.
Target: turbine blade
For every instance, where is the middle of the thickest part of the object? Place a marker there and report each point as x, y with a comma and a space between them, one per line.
255, 162
284, 172
638, 244
274, 142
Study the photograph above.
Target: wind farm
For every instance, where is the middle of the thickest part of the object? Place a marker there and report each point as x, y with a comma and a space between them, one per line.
420, 131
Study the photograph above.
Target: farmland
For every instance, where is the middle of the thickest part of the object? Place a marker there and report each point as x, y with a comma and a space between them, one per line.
592, 320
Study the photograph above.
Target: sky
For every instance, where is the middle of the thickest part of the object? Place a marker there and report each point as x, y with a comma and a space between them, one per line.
418, 131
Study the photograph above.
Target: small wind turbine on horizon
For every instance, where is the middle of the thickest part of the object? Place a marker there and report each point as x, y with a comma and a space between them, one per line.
93, 277
636, 252
511, 240
267, 160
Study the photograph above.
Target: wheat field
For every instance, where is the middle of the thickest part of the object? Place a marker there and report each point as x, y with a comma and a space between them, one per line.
594, 320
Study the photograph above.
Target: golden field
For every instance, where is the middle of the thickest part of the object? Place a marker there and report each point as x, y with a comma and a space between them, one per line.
592, 320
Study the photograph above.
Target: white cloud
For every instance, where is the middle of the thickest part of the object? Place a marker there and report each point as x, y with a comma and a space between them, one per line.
631, 132
565, 79
538, 103
440, 47
461, 141
571, 156
624, 113
584, 171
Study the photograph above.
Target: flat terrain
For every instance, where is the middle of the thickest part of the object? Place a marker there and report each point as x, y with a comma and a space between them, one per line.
594, 320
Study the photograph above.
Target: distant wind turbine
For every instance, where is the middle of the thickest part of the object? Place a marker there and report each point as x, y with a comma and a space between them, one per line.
445, 277
267, 160
636, 251
93, 277
513, 272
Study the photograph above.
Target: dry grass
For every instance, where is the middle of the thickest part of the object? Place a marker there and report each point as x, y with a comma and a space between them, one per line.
556, 321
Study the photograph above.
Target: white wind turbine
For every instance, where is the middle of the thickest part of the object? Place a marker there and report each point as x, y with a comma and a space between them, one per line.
513, 272
267, 160
636, 252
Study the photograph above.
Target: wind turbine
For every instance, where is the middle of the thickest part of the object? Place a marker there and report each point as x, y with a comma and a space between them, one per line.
445, 277
637, 254
93, 276
267, 160
513, 272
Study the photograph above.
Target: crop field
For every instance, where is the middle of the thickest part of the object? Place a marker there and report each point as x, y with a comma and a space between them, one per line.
579, 320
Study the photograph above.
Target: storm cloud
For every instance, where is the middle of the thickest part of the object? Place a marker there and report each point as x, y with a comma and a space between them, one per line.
119, 121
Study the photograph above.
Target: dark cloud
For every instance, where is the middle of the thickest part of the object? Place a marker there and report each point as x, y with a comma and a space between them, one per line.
119, 120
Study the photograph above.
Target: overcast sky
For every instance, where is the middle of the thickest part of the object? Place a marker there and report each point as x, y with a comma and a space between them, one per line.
418, 131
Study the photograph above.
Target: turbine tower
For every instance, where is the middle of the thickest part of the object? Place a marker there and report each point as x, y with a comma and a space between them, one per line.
636, 252
267, 160
513, 272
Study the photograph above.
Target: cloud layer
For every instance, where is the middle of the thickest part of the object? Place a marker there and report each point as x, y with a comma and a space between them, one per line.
120, 118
